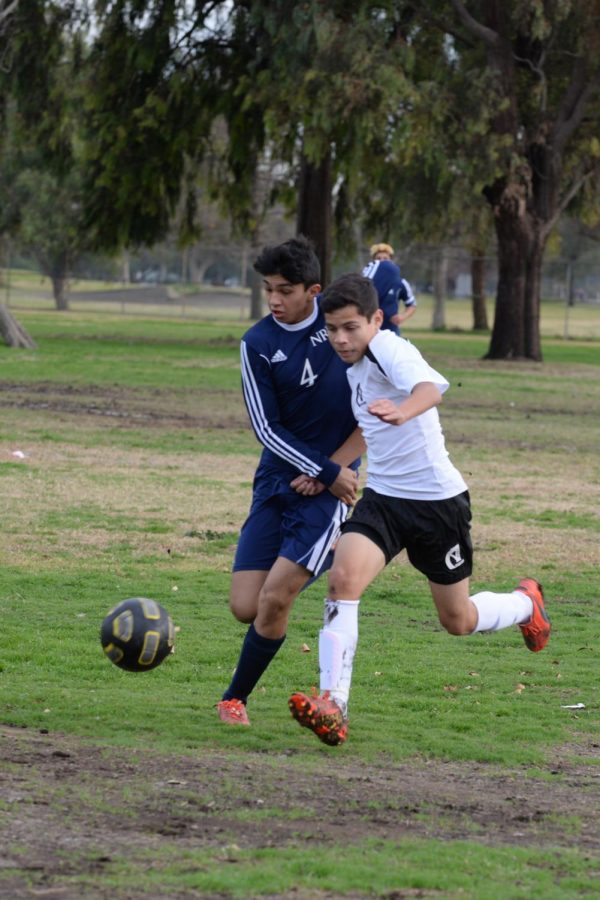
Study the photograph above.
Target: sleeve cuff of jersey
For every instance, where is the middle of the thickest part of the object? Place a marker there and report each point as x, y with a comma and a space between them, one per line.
329, 473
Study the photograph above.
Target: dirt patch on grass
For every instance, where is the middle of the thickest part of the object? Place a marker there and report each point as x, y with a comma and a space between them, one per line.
70, 808
129, 406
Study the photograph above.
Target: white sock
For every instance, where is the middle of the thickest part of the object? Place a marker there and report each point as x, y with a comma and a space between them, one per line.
498, 611
337, 645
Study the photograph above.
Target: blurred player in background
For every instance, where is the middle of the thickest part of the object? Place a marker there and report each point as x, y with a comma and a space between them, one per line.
391, 288
298, 401
415, 499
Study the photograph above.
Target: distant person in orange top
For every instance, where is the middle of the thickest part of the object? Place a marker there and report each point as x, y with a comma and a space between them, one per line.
391, 287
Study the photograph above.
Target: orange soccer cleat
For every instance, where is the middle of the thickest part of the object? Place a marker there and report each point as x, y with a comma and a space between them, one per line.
233, 712
536, 632
322, 715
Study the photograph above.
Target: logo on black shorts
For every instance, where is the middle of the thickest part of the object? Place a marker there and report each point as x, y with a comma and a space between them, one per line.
454, 557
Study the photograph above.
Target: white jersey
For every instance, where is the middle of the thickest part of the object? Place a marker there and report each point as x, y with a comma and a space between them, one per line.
409, 460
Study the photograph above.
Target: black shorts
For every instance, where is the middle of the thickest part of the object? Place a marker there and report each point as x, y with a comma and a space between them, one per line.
435, 533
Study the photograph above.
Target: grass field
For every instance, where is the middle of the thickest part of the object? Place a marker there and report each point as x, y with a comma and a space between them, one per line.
126, 464
26, 290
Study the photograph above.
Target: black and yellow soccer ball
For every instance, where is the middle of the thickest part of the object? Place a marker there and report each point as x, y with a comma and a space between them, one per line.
137, 634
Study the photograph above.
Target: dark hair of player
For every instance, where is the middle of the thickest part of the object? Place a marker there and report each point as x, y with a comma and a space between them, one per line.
295, 260
351, 289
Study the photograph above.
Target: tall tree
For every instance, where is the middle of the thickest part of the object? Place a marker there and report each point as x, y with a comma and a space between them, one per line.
41, 145
292, 82
544, 62
50, 225
325, 77
504, 105
166, 112
12, 333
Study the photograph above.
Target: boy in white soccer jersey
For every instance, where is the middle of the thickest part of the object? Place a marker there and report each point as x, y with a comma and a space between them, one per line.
415, 499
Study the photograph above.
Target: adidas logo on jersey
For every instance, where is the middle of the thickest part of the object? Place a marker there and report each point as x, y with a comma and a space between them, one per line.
279, 356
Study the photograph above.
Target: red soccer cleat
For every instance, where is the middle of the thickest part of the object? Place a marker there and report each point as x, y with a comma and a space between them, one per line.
322, 715
233, 712
536, 632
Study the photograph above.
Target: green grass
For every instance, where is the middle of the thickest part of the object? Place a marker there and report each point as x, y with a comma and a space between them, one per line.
104, 508
484, 699
69, 590
461, 869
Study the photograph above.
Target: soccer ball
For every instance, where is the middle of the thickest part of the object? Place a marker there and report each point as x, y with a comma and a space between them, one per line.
137, 634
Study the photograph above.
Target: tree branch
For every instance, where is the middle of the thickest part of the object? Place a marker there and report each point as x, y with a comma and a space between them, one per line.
482, 32
573, 104
7, 8
572, 192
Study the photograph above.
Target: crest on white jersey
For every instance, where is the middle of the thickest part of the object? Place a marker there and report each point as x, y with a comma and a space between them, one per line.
279, 356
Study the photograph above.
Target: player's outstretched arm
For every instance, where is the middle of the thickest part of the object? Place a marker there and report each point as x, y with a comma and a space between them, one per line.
424, 396
353, 447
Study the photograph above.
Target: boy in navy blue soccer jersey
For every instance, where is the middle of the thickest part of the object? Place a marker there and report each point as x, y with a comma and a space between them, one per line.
391, 287
414, 499
298, 401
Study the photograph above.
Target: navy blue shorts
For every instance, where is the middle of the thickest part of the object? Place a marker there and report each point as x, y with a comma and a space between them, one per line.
435, 533
284, 523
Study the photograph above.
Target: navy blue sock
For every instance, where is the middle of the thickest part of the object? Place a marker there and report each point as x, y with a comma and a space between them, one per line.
256, 654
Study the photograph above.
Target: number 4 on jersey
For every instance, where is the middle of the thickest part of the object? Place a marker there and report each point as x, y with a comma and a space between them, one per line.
308, 376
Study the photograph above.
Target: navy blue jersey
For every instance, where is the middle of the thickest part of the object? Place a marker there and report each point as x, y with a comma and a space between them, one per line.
390, 287
297, 396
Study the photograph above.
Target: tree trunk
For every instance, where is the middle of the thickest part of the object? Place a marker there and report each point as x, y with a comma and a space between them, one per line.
256, 295
314, 210
197, 269
255, 279
533, 291
59, 289
244, 265
516, 333
185, 253
440, 280
13, 334
125, 267
480, 320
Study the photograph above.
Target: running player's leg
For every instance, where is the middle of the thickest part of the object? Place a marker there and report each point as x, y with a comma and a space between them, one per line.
265, 635
357, 561
443, 551
276, 598
256, 552
489, 611
456, 612
303, 530
244, 591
